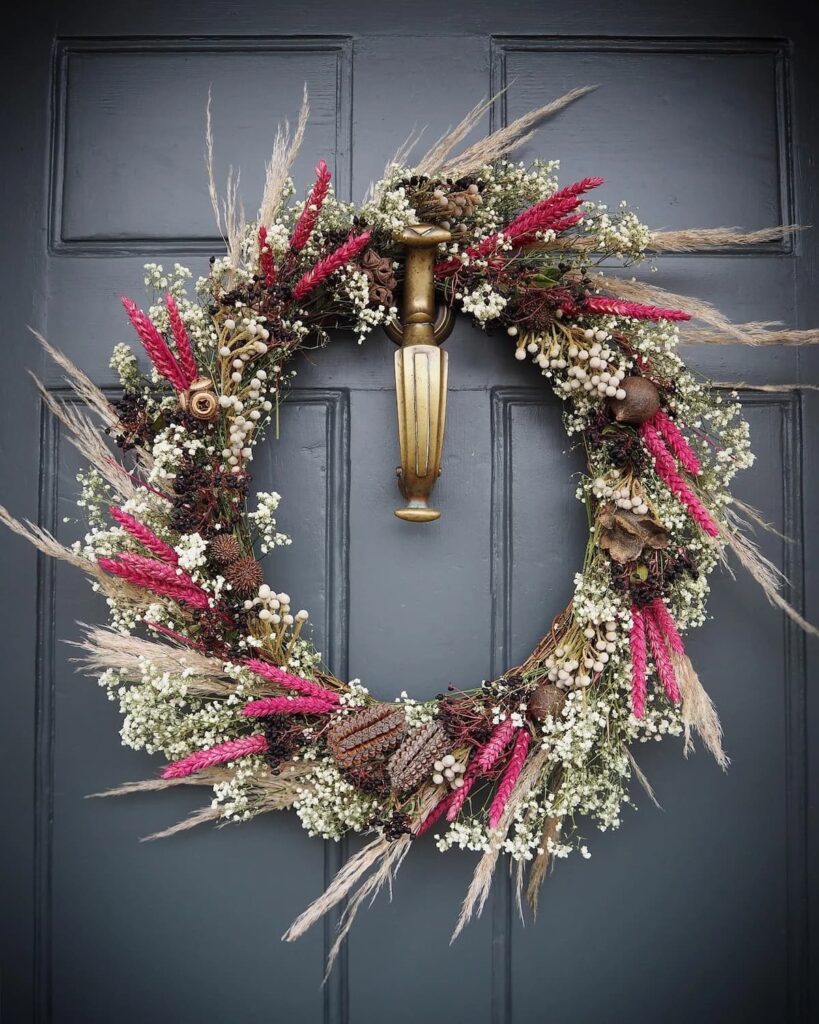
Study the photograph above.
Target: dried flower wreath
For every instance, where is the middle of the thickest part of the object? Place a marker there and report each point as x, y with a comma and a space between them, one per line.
213, 669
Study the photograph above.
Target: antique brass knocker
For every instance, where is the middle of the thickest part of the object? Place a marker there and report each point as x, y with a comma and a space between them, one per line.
420, 373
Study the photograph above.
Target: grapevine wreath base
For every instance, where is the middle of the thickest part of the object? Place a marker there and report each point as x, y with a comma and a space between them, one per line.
215, 669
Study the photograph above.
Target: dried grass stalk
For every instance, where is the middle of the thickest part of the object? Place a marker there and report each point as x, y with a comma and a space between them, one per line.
695, 239
89, 443
504, 140
209, 777
435, 156
740, 385
81, 384
104, 648
285, 150
642, 778
540, 864
346, 879
752, 334
479, 889
764, 572
199, 817
48, 544
698, 711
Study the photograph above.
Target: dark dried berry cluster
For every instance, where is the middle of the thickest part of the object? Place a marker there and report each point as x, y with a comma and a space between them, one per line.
371, 778
206, 494
283, 740
621, 444
395, 826
136, 428
645, 584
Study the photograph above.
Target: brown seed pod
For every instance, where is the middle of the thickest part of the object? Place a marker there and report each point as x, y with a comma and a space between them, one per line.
245, 576
413, 760
546, 700
204, 405
224, 549
641, 402
380, 295
366, 735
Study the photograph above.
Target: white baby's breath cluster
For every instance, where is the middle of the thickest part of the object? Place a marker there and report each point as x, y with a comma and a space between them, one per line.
264, 521
326, 803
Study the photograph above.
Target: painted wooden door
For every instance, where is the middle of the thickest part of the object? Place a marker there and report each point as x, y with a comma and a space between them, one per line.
706, 115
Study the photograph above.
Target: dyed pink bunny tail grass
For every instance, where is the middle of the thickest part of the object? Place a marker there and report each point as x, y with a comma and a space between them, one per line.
155, 345
676, 443
637, 640
510, 777
634, 310
661, 658
158, 577
312, 208
232, 750
266, 706
181, 340
662, 616
288, 681
146, 537
330, 264
267, 264
667, 472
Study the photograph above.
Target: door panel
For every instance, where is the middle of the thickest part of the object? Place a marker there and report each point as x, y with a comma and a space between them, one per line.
700, 911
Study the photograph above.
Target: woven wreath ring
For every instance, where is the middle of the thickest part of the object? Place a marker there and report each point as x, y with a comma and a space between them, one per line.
214, 668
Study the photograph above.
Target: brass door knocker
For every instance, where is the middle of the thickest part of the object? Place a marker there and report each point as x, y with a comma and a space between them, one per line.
420, 373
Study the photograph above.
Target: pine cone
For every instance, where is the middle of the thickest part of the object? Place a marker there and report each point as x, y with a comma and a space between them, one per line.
413, 760
365, 735
245, 576
224, 549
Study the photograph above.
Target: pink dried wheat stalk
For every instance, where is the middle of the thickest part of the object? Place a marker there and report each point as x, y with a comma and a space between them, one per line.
266, 706
146, 537
312, 208
155, 345
490, 753
637, 639
677, 444
636, 310
434, 814
662, 659
667, 625
667, 471
330, 264
290, 682
458, 796
510, 777
266, 261
222, 752
182, 340
158, 577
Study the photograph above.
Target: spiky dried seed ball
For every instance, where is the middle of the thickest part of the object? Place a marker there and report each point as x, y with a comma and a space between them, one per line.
245, 576
224, 549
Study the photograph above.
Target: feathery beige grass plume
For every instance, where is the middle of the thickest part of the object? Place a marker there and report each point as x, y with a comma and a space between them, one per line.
499, 143
698, 711
478, 892
277, 171
697, 239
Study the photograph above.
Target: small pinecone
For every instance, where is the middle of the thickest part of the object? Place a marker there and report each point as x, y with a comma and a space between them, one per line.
245, 576
413, 760
365, 735
224, 549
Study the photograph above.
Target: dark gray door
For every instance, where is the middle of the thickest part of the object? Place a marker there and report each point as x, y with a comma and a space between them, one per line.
707, 115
